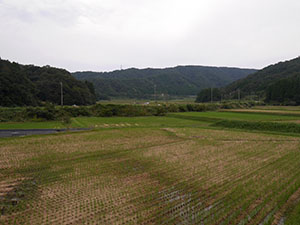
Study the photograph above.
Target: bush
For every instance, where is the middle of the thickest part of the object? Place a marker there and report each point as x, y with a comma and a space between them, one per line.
173, 108
182, 108
38, 113
51, 112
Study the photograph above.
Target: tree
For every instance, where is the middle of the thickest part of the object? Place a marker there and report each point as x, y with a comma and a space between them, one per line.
208, 94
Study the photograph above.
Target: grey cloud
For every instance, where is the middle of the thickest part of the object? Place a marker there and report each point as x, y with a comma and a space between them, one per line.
103, 34
40, 11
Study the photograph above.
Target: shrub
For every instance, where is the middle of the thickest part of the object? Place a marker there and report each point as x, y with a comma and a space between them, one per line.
173, 108
51, 112
182, 108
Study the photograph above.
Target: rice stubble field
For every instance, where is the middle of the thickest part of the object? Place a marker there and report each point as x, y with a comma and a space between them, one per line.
164, 170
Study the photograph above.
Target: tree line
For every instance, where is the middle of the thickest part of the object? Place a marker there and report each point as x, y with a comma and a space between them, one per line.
276, 84
29, 85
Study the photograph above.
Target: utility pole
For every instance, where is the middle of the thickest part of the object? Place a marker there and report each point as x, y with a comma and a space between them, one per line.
155, 92
211, 95
61, 94
239, 94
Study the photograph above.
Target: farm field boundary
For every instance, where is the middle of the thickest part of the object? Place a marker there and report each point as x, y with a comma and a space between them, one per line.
260, 126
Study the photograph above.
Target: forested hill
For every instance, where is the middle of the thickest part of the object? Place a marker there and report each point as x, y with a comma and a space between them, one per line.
276, 82
177, 81
28, 85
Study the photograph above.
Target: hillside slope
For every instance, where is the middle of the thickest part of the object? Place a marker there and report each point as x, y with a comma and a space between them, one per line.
177, 81
28, 85
260, 82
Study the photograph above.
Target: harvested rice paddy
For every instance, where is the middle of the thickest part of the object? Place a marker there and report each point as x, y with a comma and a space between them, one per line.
178, 169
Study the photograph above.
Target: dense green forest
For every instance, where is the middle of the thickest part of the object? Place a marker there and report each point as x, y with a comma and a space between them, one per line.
270, 82
144, 83
277, 84
209, 94
285, 91
28, 85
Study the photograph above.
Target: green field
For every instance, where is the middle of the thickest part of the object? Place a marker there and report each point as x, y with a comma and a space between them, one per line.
249, 116
178, 100
177, 169
172, 119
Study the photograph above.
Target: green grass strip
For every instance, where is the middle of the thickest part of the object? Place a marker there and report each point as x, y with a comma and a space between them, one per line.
262, 126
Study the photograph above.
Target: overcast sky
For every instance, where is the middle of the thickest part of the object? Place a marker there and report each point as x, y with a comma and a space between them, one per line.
102, 35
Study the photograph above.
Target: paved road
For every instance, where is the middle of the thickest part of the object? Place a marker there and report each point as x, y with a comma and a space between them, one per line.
25, 132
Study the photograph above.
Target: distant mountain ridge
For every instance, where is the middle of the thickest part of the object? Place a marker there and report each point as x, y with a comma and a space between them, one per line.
29, 85
176, 81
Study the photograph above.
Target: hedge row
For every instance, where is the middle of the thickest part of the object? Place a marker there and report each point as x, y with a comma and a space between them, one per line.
51, 112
